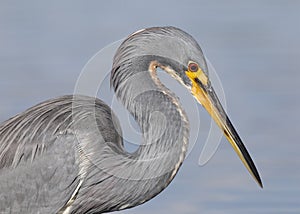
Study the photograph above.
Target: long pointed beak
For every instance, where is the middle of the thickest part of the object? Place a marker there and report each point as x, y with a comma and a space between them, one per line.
207, 97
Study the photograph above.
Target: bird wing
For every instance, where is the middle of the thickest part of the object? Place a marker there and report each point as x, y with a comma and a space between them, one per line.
41, 152
44, 185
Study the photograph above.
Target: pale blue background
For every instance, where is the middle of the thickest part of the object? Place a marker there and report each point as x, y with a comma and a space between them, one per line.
255, 47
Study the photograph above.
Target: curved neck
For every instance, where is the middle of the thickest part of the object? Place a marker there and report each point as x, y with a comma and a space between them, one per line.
158, 112
134, 178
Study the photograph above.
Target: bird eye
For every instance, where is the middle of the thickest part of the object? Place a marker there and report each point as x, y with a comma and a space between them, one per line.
193, 67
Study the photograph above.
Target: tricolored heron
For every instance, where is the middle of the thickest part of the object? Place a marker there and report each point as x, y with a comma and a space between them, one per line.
66, 155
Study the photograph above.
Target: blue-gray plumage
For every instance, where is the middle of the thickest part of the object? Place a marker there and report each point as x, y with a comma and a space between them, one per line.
66, 155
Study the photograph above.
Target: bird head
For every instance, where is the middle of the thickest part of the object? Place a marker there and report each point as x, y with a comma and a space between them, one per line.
178, 53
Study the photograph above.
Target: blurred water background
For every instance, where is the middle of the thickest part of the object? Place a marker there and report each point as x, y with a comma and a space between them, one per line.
255, 48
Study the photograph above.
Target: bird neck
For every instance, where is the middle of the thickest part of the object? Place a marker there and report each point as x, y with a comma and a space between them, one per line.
163, 122
165, 132
134, 178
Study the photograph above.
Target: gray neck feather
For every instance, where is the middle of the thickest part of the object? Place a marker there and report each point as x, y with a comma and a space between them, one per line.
158, 113
141, 175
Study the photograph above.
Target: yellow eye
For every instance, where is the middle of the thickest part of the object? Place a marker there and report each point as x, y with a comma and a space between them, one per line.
193, 67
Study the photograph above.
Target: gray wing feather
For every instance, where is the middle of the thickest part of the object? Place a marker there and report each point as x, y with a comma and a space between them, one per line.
41, 152
44, 185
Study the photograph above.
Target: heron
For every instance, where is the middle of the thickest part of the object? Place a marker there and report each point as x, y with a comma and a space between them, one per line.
66, 154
